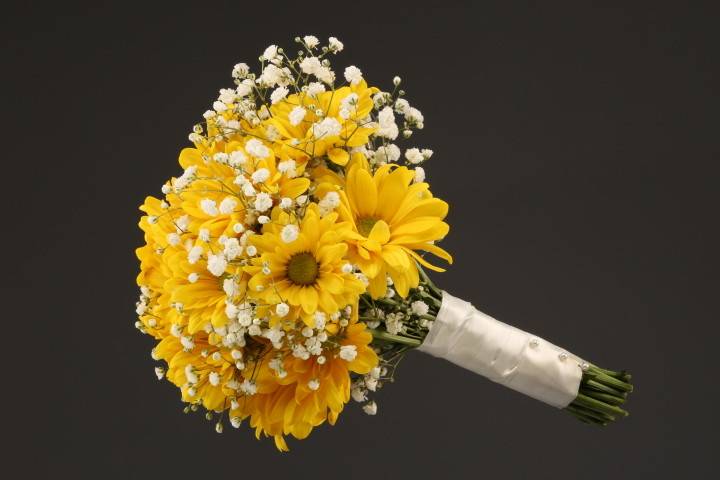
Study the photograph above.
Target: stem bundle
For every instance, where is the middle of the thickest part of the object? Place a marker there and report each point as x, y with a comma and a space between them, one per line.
601, 395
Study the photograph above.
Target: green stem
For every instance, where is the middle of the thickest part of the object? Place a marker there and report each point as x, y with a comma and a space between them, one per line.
611, 381
611, 399
592, 384
388, 337
589, 415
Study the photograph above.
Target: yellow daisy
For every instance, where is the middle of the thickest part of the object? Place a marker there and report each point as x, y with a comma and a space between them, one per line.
328, 123
392, 218
302, 265
166, 267
218, 181
311, 391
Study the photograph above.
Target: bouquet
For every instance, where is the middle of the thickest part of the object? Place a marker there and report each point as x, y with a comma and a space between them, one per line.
284, 271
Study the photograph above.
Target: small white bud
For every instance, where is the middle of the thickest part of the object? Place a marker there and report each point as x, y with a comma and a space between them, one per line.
282, 309
289, 233
370, 408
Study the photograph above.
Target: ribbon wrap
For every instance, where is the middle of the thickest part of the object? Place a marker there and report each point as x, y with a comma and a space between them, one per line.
504, 354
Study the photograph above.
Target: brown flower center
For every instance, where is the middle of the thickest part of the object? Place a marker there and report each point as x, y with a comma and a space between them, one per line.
302, 269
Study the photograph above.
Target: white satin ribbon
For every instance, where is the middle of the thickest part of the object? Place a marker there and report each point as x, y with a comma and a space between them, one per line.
504, 354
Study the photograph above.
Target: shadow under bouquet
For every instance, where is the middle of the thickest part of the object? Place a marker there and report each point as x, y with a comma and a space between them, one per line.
284, 271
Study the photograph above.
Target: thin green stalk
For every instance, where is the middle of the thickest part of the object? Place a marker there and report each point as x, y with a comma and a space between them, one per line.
611, 399
611, 381
592, 384
388, 337
591, 416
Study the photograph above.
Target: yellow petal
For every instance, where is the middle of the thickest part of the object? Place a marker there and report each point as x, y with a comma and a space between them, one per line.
400, 281
359, 136
310, 227
434, 249
392, 192
339, 156
414, 207
365, 361
424, 262
395, 257
420, 230
328, 254
190, 156
361, 192
358, 159
301, 430
331, 282
363, 253
295, 187
369, 267
326, 301
280, 443
380, 232
378, 285
308, 299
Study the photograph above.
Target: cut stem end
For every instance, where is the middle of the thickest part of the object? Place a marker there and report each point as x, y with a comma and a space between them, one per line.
601, 395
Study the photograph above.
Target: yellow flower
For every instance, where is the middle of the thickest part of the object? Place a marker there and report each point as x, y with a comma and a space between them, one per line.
305, 265
186, 364
165, 265
217, 181
311, 392
339, 127
391, 219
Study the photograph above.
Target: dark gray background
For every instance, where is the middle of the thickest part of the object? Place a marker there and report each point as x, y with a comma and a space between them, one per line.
576, 144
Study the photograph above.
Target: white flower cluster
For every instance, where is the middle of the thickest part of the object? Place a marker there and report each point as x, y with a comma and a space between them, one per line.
316, 341
141, 308
360, 388
393, 116
412, 318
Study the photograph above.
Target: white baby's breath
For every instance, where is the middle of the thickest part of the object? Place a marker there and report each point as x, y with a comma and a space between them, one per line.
296, 115
278, 94
289, 233
335, 45
311, 41
414, 156
353, 75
